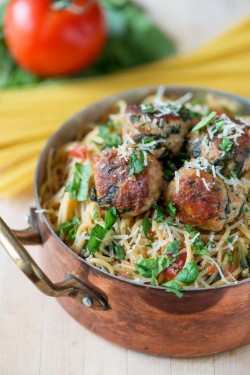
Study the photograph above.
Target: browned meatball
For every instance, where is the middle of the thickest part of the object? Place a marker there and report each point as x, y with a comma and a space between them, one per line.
204, 201
131, 195
167, 128
235, 158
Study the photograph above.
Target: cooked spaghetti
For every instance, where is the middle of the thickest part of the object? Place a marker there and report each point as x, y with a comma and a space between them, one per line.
157, 192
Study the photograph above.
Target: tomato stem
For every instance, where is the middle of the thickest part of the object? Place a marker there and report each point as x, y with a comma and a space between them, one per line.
67, 4
61, 4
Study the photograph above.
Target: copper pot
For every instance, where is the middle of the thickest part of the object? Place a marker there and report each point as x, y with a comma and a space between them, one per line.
138, 317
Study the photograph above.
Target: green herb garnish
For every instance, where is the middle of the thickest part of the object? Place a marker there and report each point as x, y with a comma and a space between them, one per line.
173, 286
95, 215
151, 267
110, 139
226, 144
230, 239
148, 140
79, 187
229, 256
134, 118
171, 209
160, 217
119, 252
219, 124
204, 122
136, 165
146, 225
173, 247
110, 218
198, 244
242, 262
98, 233
188, 274
211, 244
70, 228
148, 108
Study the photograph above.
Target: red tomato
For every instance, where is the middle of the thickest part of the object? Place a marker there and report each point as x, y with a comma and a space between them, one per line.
53, 42
79, 152
172, 271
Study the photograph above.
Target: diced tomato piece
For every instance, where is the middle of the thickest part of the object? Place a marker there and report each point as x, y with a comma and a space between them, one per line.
172, 271
79, 152
151, 232
212, 269
230, 269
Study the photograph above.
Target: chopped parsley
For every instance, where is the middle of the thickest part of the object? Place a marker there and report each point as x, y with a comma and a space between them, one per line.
230, 239
173, 247
233, 175
242, 261
245, 209
119, 252
79, 187
198, 244
211, 244
95, 215
230, 257
146, 225
136, 164
70, 228
188, 274
204, 122
148, 140
134, 118
151, 267
98, 233
110, 218
110, 139
160, 217
116, 251
226, 144
171, 209
173, 286
183, 156
219, 124
148, 108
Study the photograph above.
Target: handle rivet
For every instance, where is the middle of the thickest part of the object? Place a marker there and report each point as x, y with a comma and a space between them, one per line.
87, 301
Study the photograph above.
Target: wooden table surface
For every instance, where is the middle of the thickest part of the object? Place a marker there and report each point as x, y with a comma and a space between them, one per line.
36, 335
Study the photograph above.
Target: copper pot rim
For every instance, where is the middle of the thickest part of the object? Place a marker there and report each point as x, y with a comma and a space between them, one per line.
194, 89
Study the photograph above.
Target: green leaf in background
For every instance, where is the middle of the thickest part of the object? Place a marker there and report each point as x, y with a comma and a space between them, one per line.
132, 39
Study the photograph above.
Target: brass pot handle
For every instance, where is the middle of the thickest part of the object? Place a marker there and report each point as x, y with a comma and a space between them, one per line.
71, 287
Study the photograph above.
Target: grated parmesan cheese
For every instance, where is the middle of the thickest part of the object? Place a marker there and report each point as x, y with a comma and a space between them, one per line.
213, 171
233, 181
212, 261
206, 184
185, 98
177, 180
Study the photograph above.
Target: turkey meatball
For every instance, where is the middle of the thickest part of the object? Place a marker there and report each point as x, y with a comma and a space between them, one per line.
228, 147
120, 186
166, 126
204, 201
